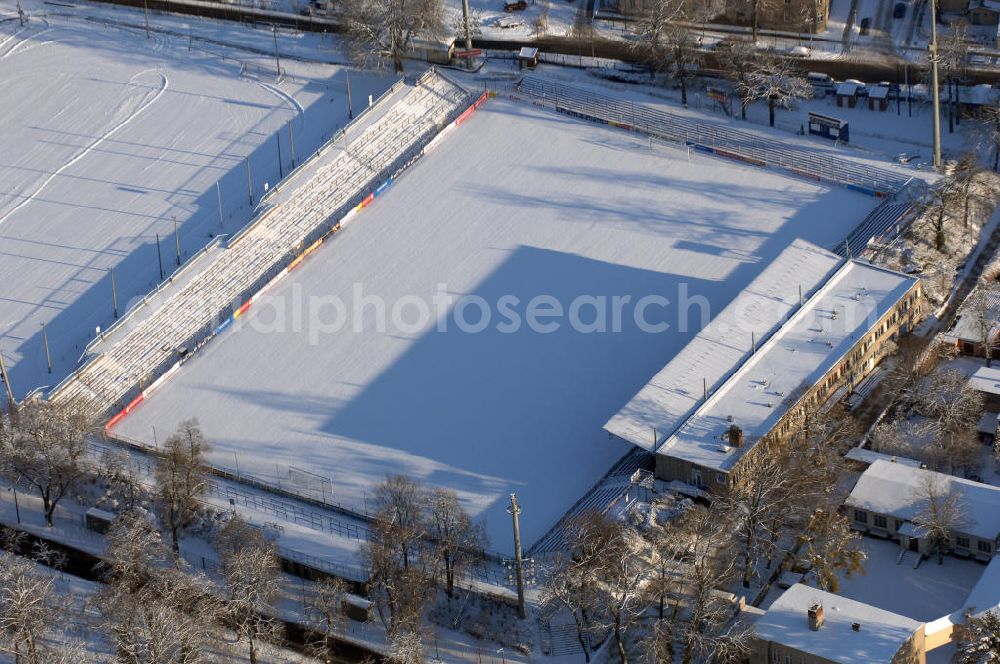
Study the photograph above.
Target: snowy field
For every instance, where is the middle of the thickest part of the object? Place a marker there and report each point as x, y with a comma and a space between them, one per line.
517, 202
108, 137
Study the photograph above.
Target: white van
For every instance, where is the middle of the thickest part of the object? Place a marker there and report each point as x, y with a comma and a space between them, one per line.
823, 84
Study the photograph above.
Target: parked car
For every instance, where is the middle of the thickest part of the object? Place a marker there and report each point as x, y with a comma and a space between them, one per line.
517, 6
866, 23
823, 84
899, 11
862, 90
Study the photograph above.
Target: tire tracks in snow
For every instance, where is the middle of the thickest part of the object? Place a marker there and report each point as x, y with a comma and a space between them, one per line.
25, 34
164, 84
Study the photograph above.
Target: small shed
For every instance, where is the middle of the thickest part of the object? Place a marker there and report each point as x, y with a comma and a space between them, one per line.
356, 608
847, 92
527, 57
878, 97
435, 51
99, 520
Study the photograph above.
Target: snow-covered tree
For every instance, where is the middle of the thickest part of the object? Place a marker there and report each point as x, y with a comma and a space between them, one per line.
251, 571
940, 512
831, 547
456, 539
180, 480
979, 639
384, 30
777, 81
45, 445
325, 613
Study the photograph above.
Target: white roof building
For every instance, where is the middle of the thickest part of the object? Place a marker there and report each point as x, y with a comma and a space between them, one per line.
986, 380
796, 346
879, 636
966, 326
893, 489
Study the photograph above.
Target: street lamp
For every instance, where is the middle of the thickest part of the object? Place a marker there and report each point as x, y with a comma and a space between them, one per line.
17, 508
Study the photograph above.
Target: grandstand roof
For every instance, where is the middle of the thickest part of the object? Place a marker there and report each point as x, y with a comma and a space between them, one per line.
757, 389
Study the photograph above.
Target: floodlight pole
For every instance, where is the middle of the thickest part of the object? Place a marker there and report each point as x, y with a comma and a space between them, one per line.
934, 87
6, 383
114, 291
249, 183
218, 197
177, 240
468, 34
514, 510
45, 340
277, 61
20, 17
145, 13
291, 139
159, 256
350, 106
281, 172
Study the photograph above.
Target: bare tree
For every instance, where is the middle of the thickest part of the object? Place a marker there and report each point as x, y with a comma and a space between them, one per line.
180, 480
832, 548
953, 53
121, 474
324, 610
964, 179
738, 58
153, 610
27, 609
406, 647
941, 510
991, 132
666, 45
777, 81
457, 540
400, 584
752, 505
574, 583
983, 306
385, 29
251, 570
45, 445
711, 568
623, 571
979, 639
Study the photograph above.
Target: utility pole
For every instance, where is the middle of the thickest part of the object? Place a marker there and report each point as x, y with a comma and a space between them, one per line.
514, 510
350, 107
145, 12
277, 61
114, 291
468, 34
218, 196
177, 239
45, 340
291, 140
934, 87
249, 183
20, 13
159, 256
6, 383
281, 172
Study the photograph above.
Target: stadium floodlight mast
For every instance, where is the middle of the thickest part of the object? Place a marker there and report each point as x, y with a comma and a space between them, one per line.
514, 510
6, 383
936, 94
468, 34
20, 13
145, 12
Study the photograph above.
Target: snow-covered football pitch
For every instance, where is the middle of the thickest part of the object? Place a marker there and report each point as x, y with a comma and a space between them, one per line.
109, 137
476, 326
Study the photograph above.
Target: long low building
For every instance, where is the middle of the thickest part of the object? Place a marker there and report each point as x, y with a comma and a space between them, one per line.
808, 326
888, 496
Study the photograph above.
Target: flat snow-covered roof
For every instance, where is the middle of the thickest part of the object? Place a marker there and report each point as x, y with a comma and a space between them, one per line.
880, 637
966, 327
763, 385
722, 346
985, 595
869, 457
986, 379
894, 489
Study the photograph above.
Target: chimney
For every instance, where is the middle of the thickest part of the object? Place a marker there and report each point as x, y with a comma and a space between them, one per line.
815, 613
735, 436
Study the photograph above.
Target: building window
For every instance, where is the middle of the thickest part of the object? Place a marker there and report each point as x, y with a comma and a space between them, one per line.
861, 516
720, 478
880, 521
962, 542
985, 547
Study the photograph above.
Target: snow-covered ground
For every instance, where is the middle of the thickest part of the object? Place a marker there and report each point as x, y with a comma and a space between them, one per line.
108, 138
520, 202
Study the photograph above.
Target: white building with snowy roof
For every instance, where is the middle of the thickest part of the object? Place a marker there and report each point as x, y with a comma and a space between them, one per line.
809, 625
809, 325
888, 496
